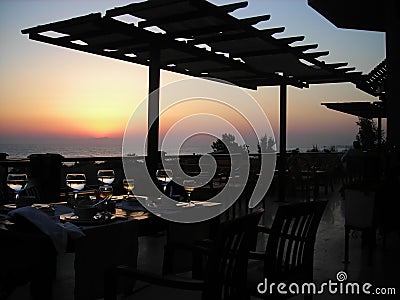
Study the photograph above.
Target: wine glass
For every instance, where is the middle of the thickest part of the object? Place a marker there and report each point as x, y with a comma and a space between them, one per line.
106, 176
17, 182
129, 185
76, 182
105, 191
164, 176
189, 185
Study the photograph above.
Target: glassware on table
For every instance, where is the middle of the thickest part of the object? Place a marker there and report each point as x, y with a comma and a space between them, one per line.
189, 185
105, 194
105, 191
106, 176
164, 176
129, 185
17, 182
76, 182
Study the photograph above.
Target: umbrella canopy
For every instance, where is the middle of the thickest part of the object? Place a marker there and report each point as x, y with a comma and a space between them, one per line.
354, 14
367, 110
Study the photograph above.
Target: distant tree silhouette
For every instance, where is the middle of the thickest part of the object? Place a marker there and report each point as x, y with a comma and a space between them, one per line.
227, 142
314, 149
368, 133
266, 144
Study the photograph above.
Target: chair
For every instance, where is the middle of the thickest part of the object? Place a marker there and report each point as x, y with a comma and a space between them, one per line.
301, 180
33, 191
359, 215
226, 267
289, 251
181, 238
29, 257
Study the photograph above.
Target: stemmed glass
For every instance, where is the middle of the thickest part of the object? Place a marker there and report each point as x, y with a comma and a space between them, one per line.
105, 191
164, 176
76, 182
129, 185
106, 176
17, 182
189, 185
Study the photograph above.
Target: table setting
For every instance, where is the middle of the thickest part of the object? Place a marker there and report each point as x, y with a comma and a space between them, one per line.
82, 210
100, 228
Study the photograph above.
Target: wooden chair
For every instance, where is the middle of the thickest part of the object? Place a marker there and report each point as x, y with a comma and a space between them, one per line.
360, 216
181, 238
225, 274
33, 192
289, 251
29, 257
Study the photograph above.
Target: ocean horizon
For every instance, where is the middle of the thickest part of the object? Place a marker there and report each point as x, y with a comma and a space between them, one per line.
105, 148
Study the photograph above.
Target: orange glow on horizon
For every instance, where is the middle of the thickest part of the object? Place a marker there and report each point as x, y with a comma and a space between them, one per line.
203, 106
98, 101
50, 91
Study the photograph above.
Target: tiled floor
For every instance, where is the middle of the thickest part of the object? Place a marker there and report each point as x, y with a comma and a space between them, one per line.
382, 271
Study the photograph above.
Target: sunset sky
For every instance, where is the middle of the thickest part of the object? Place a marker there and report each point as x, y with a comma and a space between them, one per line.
49, 92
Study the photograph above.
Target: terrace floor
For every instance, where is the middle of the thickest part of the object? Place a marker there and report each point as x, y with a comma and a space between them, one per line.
382, 271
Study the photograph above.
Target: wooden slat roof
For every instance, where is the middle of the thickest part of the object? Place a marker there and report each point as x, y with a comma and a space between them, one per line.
237, 51
374, 82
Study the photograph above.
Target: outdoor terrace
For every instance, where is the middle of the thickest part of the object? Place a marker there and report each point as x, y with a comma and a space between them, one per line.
380, 269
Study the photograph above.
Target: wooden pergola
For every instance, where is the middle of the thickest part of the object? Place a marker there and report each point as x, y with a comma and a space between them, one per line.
170, 36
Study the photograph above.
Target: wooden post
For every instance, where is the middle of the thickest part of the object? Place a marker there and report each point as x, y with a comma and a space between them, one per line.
392, 87
282, 143
153, 111
393, 68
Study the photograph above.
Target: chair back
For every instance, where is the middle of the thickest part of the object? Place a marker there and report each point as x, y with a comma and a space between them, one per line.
359, 208
33, 191
179, 238
289, 253
227, 265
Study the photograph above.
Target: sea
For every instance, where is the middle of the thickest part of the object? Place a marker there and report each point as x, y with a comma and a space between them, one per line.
84, 148
97, 148
75, 149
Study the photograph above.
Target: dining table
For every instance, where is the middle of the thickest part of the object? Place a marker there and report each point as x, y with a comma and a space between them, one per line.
99, 243
109, 238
